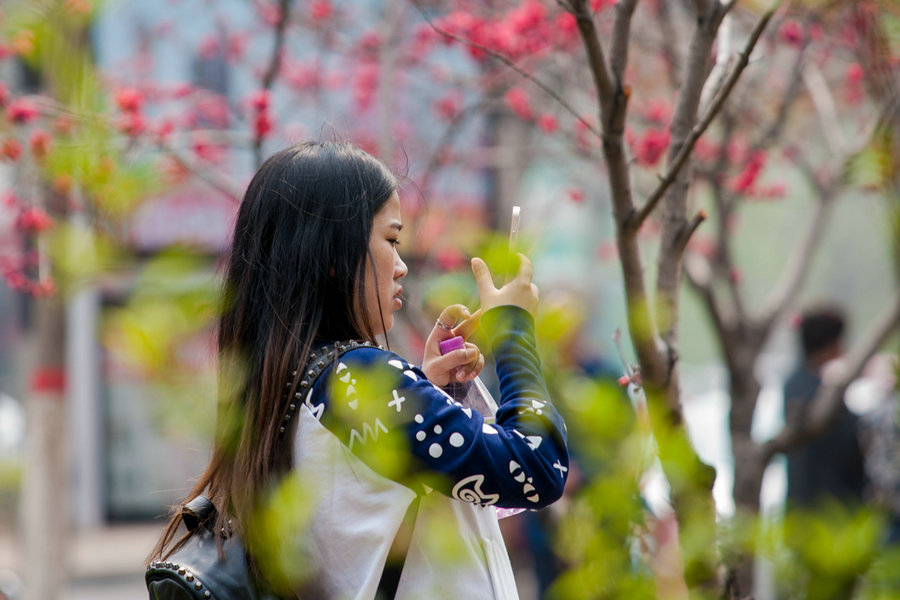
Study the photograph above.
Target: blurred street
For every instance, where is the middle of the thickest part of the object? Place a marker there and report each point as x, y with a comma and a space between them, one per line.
105, 563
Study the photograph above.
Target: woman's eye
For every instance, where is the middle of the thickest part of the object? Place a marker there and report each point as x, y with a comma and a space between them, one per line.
394, 241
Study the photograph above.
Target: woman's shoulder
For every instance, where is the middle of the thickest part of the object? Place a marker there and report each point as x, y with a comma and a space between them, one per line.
340, 356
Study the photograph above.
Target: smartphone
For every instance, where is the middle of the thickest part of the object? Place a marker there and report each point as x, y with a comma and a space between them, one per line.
514, 228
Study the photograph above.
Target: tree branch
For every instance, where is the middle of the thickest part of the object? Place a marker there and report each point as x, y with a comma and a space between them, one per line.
825, 405
274, 65
597, 61
618, 54
515, 67
213, 177
668, 48
797, 266
825, 108
699, 274
684, 153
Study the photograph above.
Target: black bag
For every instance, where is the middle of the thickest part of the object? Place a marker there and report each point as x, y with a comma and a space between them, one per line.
196, 571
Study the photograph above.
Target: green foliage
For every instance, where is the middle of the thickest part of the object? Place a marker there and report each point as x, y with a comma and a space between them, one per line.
603, 520
278, 537
823, 553
58, 35
877, 166
80, 254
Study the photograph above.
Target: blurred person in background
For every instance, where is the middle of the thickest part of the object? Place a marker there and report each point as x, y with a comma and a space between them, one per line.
830, 466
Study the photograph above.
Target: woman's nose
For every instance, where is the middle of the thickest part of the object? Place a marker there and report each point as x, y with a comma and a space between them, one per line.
400, 268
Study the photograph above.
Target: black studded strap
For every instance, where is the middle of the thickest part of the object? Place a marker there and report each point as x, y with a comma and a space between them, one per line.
318, 361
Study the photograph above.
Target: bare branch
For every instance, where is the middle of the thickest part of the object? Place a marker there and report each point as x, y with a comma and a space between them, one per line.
698, 272
824, 407
689, 228
210, 175
618, 54
515, 67
599, 70
790, 96
684, 153
668, 47
274, 65
797, 266
825, 107
720, 69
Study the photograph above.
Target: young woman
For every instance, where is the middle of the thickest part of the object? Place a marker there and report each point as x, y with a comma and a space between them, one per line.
372, 446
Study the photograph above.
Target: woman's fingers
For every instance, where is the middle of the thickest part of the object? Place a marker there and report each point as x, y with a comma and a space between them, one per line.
483, 278
526, 269
450, 315
468, 325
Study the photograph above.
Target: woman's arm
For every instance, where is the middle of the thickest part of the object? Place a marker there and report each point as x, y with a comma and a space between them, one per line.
389, 414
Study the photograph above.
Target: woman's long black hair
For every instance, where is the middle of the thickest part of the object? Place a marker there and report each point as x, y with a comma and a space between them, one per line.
295, 276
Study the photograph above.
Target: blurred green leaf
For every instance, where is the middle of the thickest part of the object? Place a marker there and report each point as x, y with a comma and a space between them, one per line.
876, 166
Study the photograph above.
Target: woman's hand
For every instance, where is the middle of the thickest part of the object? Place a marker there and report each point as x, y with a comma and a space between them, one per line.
459, 365
519, 292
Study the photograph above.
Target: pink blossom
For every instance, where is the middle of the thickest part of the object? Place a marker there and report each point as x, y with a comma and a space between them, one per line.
163, 130
39, 141
4, 94
262, 124
853, 83
705, 151
182, 90
517, 101
208, 151
597, 5
566, 24
321, 10
129, 99
791, 33
259, 99
11, 149
43, 288
575, 195
773, 192
33, 220
269, 12
746, 179
301, 76
448, 106
369, 42
237, 45
214, 109
658, 112
449, 258
6, 51
547, 123
15, 279
22, 110
364, 84
651, 146
9, 199
131, 123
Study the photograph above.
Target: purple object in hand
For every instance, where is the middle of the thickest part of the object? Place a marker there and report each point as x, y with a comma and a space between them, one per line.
454, 343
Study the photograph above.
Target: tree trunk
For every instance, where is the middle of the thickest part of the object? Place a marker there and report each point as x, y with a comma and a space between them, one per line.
748, 470
44, 509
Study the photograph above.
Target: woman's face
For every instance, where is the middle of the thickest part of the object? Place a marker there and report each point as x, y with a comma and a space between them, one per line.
385, 268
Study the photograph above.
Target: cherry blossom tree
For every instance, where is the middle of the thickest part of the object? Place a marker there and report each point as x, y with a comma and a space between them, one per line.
677, 110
